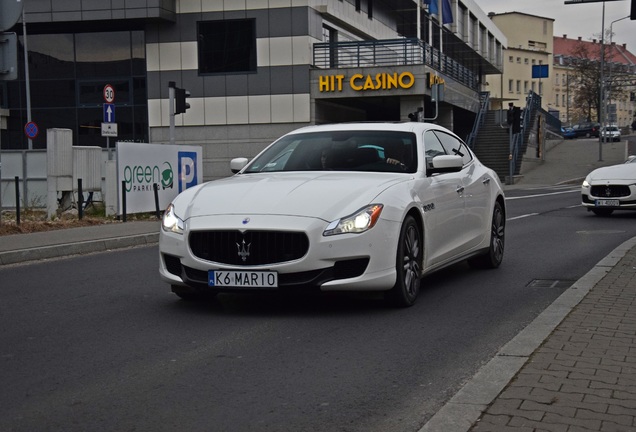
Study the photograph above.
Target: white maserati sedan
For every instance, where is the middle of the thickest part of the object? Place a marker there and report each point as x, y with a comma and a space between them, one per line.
340, 207
610, 188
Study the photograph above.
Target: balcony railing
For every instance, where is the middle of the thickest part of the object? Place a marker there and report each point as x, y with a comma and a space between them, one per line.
391, 52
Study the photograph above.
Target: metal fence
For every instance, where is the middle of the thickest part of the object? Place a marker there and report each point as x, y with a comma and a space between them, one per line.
30, 167
391, 52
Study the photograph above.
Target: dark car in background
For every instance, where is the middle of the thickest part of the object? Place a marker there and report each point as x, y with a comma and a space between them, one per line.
567, 133
586, 129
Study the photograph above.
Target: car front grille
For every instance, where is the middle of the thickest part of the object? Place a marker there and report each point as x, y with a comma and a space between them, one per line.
248, 248
610, 191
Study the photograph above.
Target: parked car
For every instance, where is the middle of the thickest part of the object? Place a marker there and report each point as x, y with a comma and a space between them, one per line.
568, 133
350, 207
586, 129
611, 133
610, 188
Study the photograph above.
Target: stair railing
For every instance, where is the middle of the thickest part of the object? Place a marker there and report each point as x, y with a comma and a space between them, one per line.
484, 102
533, 103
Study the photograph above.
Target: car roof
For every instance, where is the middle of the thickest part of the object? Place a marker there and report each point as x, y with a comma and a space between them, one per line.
415, 127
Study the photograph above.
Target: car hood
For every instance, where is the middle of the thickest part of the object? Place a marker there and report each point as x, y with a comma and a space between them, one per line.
623, 172
325, 195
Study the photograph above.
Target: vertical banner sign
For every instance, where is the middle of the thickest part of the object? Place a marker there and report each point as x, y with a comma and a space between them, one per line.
174, 168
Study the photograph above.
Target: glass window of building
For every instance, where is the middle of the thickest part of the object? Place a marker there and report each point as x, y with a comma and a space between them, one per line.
67, 76
227, 46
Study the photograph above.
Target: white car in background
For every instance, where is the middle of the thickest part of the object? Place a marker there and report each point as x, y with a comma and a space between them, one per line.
611, 133
610, 188
343, 207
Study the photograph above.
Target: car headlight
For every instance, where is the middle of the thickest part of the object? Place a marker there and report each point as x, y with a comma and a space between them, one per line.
585, 184
359, 222
171, 222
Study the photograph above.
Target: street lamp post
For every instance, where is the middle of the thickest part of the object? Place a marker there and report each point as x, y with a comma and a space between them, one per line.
602, 83
609, 80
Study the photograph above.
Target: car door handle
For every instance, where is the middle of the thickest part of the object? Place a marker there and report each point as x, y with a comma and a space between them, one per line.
486, 181
460, 189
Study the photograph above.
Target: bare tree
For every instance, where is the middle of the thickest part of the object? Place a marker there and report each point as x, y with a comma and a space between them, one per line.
586, 68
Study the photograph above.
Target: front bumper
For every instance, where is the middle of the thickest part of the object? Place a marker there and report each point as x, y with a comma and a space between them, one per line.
351, 262
615, 196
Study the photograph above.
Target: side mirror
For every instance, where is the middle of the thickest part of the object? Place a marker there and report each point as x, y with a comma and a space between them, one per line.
445, 164
238, 164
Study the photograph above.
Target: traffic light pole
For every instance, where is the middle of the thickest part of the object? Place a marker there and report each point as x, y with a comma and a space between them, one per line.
171, 92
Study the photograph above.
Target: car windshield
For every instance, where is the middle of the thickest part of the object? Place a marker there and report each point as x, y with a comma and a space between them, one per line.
379, 151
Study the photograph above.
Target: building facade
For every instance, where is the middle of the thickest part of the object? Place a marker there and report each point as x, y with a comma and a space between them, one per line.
530, 44
254, 69
619, 76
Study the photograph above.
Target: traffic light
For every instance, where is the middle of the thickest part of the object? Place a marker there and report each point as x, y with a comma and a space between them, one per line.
10, 13
180, 96
8, 56
516, 120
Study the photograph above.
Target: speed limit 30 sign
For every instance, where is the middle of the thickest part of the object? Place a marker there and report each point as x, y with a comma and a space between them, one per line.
109, 93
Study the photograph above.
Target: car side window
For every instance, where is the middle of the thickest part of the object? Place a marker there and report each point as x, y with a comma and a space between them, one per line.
454, 146
432, 147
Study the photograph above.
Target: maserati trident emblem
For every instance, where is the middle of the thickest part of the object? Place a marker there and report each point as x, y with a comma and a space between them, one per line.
608, 192
243, 250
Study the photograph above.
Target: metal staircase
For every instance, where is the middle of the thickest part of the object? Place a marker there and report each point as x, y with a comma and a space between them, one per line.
491, 141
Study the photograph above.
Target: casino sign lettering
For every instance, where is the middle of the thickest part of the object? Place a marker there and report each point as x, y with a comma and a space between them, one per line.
360, 82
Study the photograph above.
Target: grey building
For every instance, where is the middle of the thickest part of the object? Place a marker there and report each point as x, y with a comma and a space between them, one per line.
255, 69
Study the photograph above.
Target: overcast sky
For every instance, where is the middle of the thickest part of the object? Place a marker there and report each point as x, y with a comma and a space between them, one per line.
582, 19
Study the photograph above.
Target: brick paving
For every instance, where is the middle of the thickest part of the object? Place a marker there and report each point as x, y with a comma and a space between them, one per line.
583, 377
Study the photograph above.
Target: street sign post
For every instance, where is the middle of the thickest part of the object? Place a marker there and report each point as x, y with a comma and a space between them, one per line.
109, 129
31, 130
109, 113
109, 94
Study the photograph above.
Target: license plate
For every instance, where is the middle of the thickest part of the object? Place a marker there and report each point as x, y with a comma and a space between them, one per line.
242, 279
607, 203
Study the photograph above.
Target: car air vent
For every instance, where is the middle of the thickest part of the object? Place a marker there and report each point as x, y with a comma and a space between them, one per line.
248, 248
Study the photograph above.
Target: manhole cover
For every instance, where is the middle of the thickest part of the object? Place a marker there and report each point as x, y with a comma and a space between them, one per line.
551, 283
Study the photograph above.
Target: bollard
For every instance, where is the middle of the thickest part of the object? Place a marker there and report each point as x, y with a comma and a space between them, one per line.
80, 199
17, 200
123, 200
155, 186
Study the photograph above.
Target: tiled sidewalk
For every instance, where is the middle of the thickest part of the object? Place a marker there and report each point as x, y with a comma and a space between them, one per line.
583, 377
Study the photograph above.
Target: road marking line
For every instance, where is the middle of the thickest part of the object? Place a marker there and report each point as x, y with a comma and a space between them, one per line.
524, 216
542, 195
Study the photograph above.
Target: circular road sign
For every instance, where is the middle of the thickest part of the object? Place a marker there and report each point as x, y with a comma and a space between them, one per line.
109, 93
31, 130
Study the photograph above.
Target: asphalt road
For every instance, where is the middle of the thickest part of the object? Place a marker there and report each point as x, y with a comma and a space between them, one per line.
98, 343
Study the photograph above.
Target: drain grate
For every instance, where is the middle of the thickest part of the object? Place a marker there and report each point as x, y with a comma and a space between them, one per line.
551, 283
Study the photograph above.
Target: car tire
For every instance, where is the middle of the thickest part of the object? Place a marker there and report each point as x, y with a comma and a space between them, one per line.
603, 212
494, 256
407, 265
